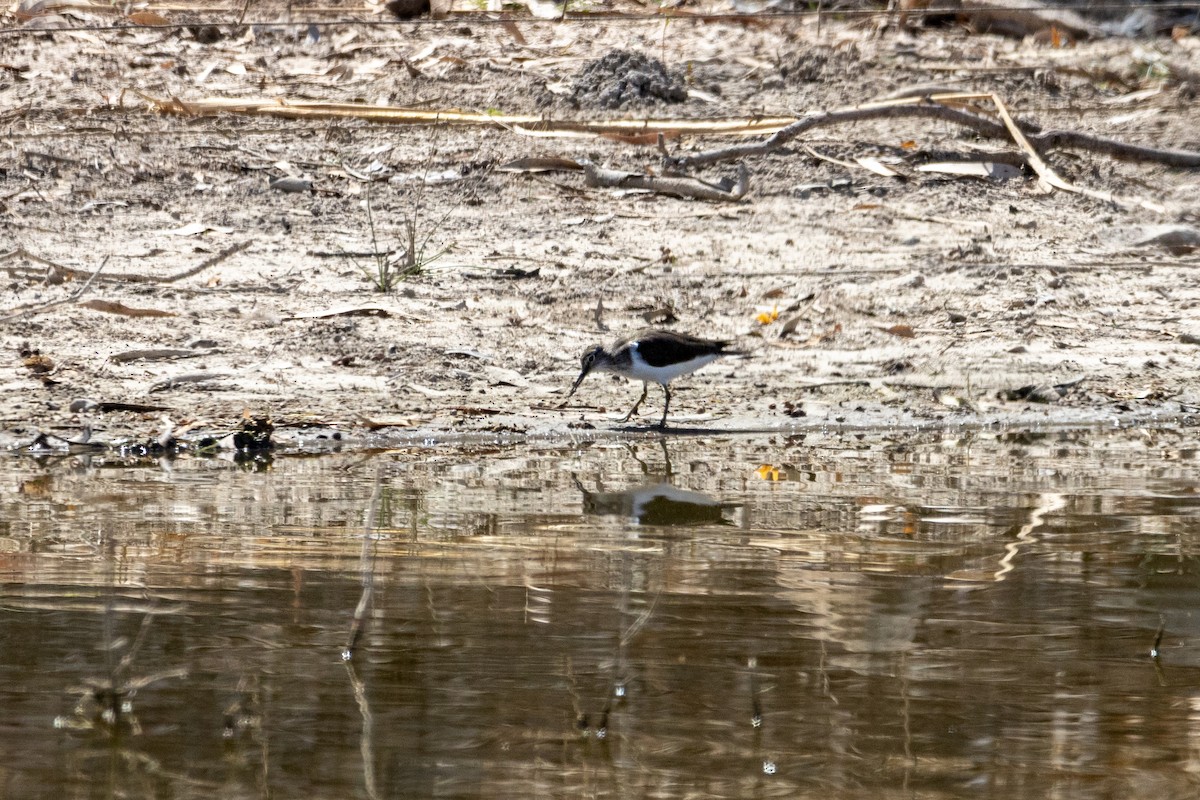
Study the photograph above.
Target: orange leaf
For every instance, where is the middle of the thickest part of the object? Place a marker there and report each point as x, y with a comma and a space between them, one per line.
147, 18
903, 331
114, 307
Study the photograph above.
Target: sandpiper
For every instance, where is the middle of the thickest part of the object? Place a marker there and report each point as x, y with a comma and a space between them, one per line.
653, 355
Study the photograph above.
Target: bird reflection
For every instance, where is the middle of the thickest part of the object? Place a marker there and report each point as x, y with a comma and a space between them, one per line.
657, 501
656, 504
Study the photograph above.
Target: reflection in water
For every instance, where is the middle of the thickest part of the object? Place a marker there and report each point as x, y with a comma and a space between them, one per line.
656, 504
890, 616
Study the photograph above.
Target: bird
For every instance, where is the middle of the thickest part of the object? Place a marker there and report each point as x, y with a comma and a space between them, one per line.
653, 355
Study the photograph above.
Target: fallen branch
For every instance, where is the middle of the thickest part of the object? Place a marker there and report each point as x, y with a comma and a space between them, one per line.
690, 188
1051, 177
70, 299
935, 107
61, 271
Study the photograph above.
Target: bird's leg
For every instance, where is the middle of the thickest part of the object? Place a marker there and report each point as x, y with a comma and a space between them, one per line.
663, 423
632, 411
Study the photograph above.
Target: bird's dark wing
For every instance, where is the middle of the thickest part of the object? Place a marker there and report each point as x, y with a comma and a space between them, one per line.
662, 348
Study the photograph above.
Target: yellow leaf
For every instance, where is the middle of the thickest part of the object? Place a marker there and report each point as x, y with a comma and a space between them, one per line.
767, 317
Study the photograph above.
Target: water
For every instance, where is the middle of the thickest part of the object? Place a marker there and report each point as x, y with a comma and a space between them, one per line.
837, 615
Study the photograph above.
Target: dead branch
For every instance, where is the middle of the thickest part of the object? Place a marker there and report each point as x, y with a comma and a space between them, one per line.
689, 188
1110, 147
60, 271
933, 107
70, 299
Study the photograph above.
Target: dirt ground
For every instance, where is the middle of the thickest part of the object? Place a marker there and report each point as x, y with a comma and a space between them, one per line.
924, 299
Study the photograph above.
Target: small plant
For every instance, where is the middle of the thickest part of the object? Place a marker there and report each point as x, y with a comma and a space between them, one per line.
388, 268
391, 267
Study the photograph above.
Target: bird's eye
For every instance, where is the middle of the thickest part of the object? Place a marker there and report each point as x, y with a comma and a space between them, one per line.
589, 359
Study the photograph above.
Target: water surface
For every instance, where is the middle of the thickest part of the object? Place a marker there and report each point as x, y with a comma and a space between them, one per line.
917, 615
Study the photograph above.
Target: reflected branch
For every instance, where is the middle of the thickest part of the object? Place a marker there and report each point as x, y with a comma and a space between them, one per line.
367, 742
369, 551
1156, 652
1048, 504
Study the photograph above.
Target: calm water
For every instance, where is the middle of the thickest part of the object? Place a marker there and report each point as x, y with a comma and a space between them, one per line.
828, 616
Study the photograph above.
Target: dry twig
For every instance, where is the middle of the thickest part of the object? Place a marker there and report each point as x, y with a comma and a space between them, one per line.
60, 271
935, 107
70, 299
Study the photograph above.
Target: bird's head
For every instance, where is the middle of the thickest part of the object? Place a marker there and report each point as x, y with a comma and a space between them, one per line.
595, 358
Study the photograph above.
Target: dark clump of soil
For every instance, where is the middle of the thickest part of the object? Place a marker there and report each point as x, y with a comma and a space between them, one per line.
407, 9
626, 77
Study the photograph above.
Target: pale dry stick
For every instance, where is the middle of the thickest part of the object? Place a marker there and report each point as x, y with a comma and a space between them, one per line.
527, 125
71, 299
933, 107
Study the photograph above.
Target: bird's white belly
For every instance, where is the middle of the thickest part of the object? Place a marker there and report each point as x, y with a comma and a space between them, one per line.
640, 370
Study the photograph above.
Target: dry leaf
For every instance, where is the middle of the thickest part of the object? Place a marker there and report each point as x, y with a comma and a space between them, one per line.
291, 185
114, 307
147, 18
773, 294
903, 331
996, 171
38, 364
877, 166
534, 164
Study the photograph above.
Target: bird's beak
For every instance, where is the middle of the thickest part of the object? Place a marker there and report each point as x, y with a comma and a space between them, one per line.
578, 381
